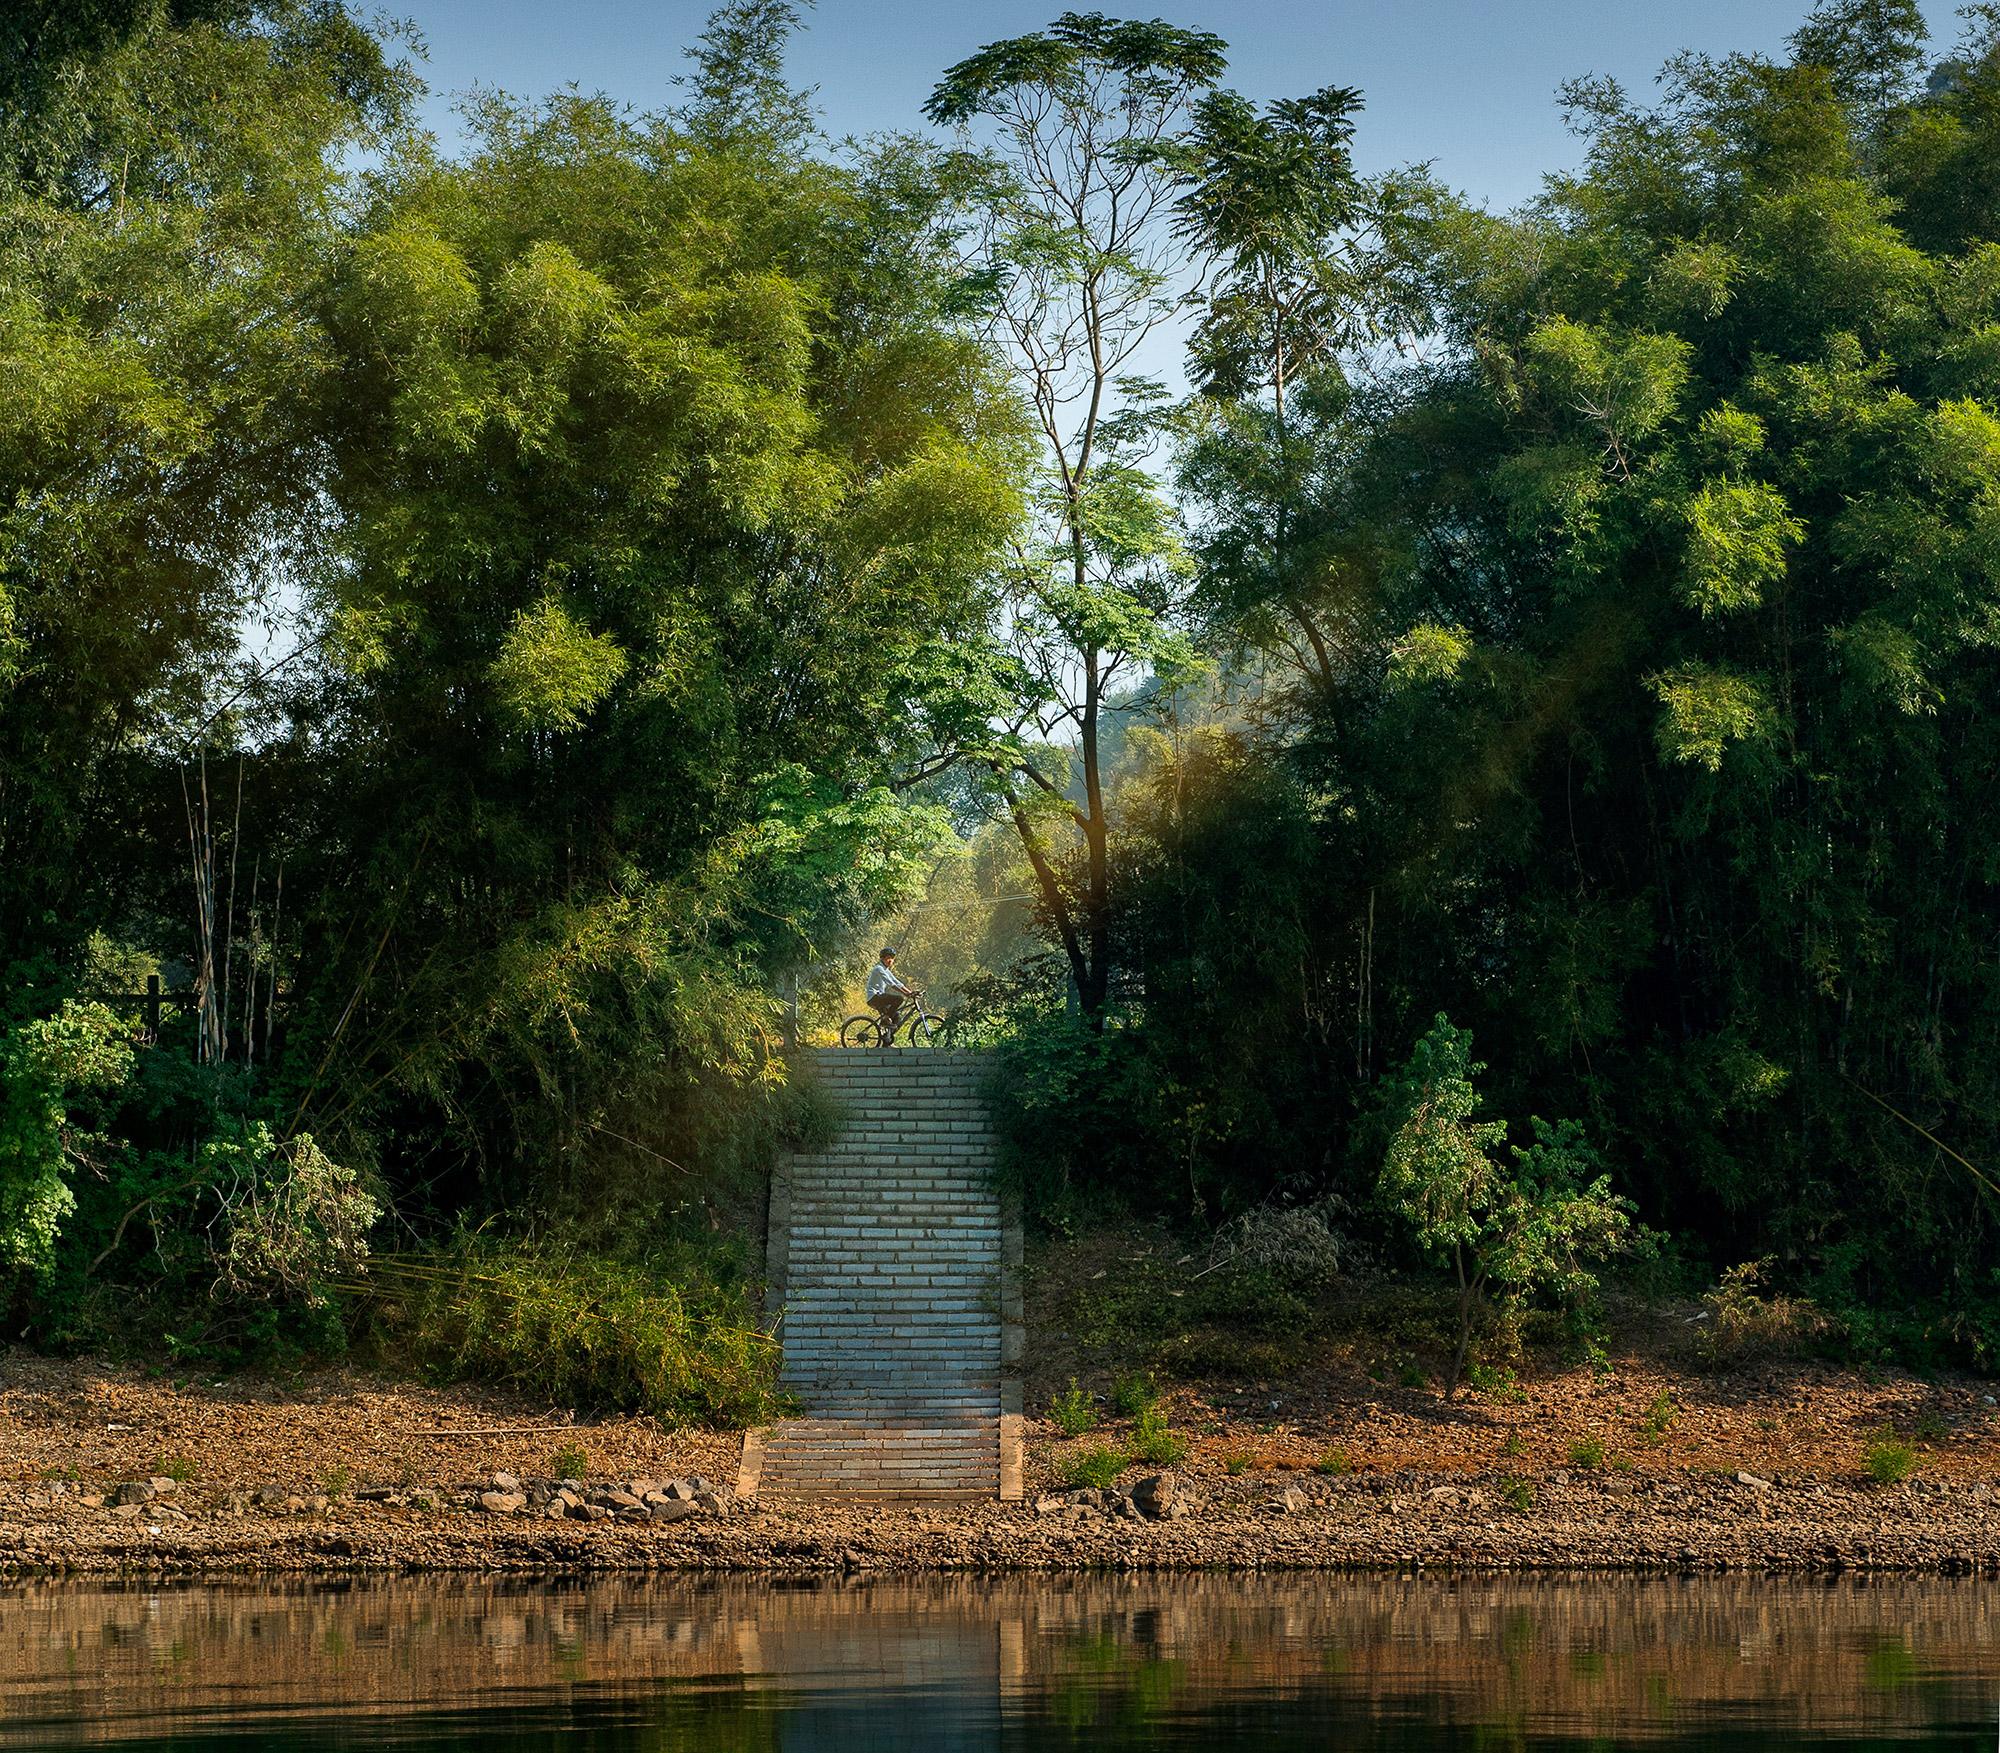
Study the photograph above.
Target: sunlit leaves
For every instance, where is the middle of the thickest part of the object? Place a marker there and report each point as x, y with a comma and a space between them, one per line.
1738, 535
1704, 711
552, 671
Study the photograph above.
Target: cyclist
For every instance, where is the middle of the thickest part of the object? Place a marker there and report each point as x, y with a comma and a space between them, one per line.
887, 990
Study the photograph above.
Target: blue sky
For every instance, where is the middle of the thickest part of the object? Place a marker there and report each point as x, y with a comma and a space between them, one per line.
1469, 84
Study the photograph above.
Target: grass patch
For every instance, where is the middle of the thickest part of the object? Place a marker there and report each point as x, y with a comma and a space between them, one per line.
569, 1462
1587, 1452
335, 1480
1072, 1412
1335, 1464
1236, 1465
178, 1468
1154, 1443
1888, 1460
1517, 1494
576, 1328
1095, 1467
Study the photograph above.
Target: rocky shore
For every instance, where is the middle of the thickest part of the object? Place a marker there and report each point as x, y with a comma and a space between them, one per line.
506, 1524
108, 1469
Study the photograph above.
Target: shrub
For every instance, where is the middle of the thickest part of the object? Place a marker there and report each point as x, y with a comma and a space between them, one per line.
1334, 1463
1072, 1411
569, 1462
580, 1329
45, 1063
1660, 1417
1154, 1443
1135, 1395
1587, 1452
1301, 1247
1097, 1467
1747, 1327
1525, 1230
296, 1220
1517, 1494
178, 1468
1888, 1459
335, 1480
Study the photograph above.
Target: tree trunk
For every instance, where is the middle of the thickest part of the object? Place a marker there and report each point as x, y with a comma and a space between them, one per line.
1094, 982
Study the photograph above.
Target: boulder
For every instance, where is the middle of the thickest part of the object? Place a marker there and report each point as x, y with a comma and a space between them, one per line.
1287, 1502
1156, 1495
670, 1509
505, 1482
132, 1492
502, 1503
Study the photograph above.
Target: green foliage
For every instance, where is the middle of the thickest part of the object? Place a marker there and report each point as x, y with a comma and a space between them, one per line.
1335, 1464
569, 1462
1888, 1460
599, 1334
1073, 1411
1587, 1452
1153, 1442
297, 1221
178, 1468
1136, 1394
1517, 1494
1531, 1230
45, 1063
1097, 1468
1660, 1416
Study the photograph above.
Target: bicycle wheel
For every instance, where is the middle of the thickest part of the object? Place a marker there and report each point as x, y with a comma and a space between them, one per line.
927, 1030
861, 1031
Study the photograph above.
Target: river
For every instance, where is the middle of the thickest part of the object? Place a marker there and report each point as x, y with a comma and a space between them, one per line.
1105, 1663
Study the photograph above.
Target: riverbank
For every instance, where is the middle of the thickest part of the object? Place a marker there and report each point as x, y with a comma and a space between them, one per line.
340, 1473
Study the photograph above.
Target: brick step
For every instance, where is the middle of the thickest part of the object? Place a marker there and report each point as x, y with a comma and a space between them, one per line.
890, 1295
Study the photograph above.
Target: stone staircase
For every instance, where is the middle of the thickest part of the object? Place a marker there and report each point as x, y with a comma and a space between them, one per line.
894, 1274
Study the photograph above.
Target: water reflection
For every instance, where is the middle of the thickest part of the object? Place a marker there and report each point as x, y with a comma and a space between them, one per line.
1107, 1663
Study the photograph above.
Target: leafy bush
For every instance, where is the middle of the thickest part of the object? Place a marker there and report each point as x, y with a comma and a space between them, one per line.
1154, 1443
1096, 1467
1135, 1395
1587, 1452
1889, 1460
1334, 1464
44, 1063
1517, 1494
1660, 1417
1072, 1411
579, 1329
296, 1220
1527, 1230
569, 1462
1747, 1327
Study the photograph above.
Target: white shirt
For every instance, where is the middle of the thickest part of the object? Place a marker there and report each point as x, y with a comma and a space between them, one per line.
881, 977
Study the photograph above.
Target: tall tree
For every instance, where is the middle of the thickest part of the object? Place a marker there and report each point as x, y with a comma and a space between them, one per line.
1085, 272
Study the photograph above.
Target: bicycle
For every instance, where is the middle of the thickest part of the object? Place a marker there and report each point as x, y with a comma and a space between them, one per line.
917, 1026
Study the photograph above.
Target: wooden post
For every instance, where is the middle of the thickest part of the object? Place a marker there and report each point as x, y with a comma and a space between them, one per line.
153, 1005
